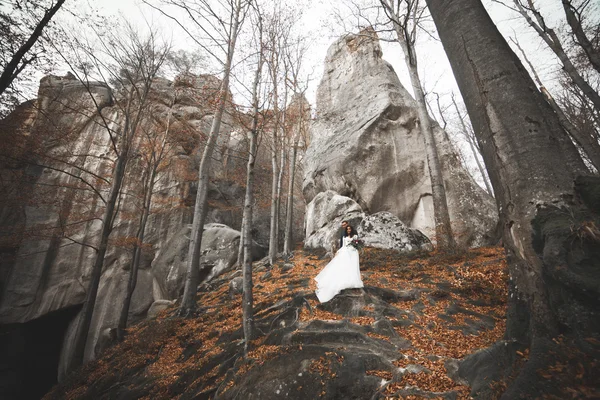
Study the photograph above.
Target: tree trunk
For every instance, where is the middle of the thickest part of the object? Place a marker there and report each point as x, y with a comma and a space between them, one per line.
288, 242
85, 317
475, 152
273, 225
443, 228
135, 263
574, 20
12, 68
552, 288
282, 159
188, 301
247, 301
552, 40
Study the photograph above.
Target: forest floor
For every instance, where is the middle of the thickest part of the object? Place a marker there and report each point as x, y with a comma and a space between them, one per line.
439, 309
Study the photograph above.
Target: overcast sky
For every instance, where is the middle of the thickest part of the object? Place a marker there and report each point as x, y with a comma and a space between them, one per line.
318, 21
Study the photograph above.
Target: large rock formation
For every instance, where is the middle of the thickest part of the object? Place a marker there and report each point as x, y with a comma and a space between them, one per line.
366, 145
50, 219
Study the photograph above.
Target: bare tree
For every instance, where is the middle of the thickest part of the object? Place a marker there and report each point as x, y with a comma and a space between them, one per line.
297, 118
246, 237
218, 24
404, 16
475, 149
587, 142
131, 64
276, 31
575, 18
535, 19
16, 47
547, 209
153, 148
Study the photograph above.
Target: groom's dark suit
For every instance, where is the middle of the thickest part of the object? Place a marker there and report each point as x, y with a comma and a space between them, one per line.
344, 234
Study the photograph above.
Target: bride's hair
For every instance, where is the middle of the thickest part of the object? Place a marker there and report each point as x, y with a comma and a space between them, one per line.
349, 230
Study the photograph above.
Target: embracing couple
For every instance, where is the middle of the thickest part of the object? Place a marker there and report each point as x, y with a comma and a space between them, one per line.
343, 271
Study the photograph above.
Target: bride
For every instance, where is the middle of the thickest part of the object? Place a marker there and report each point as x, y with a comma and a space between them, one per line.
342, 272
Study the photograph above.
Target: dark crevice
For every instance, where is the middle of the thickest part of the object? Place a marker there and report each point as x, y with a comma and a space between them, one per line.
30, 354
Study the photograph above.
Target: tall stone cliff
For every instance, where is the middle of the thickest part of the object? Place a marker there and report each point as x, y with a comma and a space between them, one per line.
54, 167
366, 145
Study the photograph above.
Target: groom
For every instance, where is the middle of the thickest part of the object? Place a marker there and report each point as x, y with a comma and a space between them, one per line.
345, 233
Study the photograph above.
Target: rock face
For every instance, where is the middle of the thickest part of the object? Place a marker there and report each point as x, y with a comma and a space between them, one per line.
50, 219
366, 145
324, 216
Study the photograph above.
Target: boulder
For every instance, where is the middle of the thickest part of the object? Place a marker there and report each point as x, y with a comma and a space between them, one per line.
158, 306
366, 145
324, 216
384, 230
236, 286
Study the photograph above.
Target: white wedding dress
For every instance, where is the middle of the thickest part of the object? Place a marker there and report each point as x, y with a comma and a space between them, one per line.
342, 272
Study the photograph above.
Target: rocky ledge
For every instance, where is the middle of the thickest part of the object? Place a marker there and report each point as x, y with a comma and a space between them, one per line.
399, 336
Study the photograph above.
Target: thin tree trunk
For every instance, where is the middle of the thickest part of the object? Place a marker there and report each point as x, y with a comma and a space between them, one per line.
135, 263
12, 69
476, 153
275, 176
85, 317
247, 301
574, 20
288, 239
273, 225
443, 228
188, 301
552, 40
137, 253
520, 139
282, 158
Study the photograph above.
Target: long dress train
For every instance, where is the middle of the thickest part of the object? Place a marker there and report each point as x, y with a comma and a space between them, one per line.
342, 272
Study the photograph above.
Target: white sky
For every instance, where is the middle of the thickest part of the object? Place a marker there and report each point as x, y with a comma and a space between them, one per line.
319, 22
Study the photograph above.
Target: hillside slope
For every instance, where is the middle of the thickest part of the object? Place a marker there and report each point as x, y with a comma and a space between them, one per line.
396, 338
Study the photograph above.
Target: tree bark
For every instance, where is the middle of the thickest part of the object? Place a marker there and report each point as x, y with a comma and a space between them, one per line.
12, 69
188, 301
551, 290
574, 20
